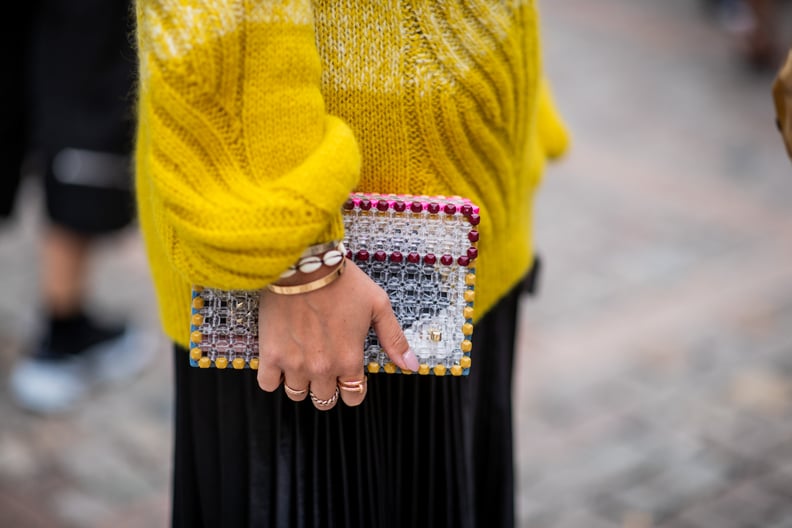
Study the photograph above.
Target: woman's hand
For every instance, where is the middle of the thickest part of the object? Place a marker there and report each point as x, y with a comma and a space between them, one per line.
313, 342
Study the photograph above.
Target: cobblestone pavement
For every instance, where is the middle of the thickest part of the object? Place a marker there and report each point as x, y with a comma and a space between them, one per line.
654, 383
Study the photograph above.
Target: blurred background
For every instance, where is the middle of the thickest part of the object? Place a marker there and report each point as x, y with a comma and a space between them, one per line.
654, 383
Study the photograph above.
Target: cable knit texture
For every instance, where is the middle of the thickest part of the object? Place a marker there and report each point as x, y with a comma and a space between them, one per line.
257, 118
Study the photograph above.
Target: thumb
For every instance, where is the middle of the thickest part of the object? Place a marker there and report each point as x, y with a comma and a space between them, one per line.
391, 337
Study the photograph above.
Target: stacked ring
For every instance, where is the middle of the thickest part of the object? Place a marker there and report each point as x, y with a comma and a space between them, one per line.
297, 393
324, 403
358, 386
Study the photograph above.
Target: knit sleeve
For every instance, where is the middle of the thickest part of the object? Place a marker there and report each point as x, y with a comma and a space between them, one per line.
243, 167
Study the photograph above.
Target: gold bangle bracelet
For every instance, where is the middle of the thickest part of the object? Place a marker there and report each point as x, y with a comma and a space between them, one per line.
309, 286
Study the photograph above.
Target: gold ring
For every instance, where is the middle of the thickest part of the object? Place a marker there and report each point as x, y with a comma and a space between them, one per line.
324, 403
294, 392
358, 386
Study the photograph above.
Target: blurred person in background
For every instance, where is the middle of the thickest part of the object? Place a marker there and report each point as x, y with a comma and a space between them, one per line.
67, 89
753, 23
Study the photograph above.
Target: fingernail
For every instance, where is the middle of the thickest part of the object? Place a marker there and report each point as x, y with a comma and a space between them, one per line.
410, 359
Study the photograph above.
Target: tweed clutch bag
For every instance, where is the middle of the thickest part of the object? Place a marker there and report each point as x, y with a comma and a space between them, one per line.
421, 250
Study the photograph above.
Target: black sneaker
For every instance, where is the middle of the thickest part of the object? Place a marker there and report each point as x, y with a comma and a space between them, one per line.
76, 356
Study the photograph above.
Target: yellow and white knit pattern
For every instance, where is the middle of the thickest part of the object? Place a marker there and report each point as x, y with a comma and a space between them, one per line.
257, 118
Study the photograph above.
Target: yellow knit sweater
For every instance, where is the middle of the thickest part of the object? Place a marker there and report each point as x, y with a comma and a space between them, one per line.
257, 118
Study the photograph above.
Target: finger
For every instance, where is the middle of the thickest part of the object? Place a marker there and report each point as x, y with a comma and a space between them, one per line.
391, 337
269, 375
353, 388
295, 388
324, 394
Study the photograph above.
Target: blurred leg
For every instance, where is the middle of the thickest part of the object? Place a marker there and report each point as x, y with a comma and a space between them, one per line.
81, 77
81, 70
63, 270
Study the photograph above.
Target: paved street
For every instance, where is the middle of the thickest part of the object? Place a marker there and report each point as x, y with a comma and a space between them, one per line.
654, 383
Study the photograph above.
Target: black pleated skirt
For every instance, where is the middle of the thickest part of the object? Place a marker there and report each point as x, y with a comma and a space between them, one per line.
420, 451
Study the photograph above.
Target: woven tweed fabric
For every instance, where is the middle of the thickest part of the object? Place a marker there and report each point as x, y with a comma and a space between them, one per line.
258, 118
